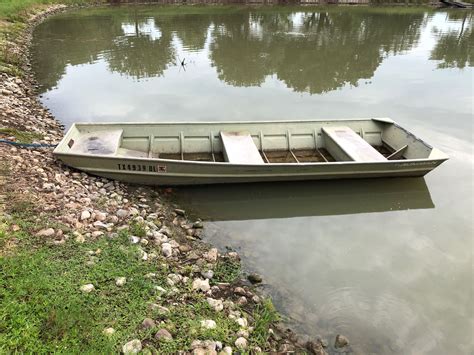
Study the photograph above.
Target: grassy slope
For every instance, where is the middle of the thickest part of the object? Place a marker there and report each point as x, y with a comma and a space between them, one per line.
42, 309
14, 15
16, 9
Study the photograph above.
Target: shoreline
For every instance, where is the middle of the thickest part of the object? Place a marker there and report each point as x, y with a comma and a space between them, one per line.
55, 208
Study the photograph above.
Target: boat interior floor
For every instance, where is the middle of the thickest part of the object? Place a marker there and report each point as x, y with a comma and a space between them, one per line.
342, 144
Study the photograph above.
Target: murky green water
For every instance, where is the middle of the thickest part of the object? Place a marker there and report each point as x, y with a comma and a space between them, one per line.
388, 263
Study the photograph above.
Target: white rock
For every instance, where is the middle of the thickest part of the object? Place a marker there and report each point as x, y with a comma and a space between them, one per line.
160, 290
96, 234
132, 347
174, 279
241, 343
139, 220
174, 244
166, 231
209, 274
242, 301
121, 213
196, 344
134, 212
120, 281
152, 226
134, 240
243, 333
208, 324
163, 335
108, 331
226, 350
234, 314
99, 224
100, 216
200, 284
48, 232
48, 186
159, 237
211, 255
229, 304
217, 305
242, 322
161, 309
166, 250
87, 288
85, 215
152, 216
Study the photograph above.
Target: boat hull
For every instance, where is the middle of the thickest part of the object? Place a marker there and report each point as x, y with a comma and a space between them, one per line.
241, 152
169, 173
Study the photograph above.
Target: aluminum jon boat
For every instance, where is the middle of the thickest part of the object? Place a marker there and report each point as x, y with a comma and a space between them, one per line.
234, 152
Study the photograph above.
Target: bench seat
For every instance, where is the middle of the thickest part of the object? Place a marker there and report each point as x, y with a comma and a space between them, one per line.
346, 145
239, 148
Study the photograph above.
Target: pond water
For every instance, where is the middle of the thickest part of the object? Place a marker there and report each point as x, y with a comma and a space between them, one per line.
388, 263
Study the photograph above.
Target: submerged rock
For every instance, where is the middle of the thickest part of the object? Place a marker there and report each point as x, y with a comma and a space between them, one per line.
315, 348
341, 341
255, 278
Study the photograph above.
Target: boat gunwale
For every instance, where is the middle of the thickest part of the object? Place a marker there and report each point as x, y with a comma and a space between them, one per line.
387, 120
175, 123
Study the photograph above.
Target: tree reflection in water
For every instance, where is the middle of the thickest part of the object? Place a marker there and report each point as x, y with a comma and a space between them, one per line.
454, 47
310, 51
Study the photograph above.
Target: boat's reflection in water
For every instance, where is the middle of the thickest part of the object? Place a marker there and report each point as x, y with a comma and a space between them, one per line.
307, 198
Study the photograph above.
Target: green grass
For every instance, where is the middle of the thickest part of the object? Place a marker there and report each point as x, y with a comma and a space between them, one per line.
20, 136
42, 309
265, 315
137, 229
14, 15
15, 10
184, 323
226, 270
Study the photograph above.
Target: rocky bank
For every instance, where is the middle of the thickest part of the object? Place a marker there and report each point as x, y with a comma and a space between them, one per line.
72, 207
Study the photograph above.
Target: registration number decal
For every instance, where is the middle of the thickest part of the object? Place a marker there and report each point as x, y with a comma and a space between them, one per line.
143, 167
